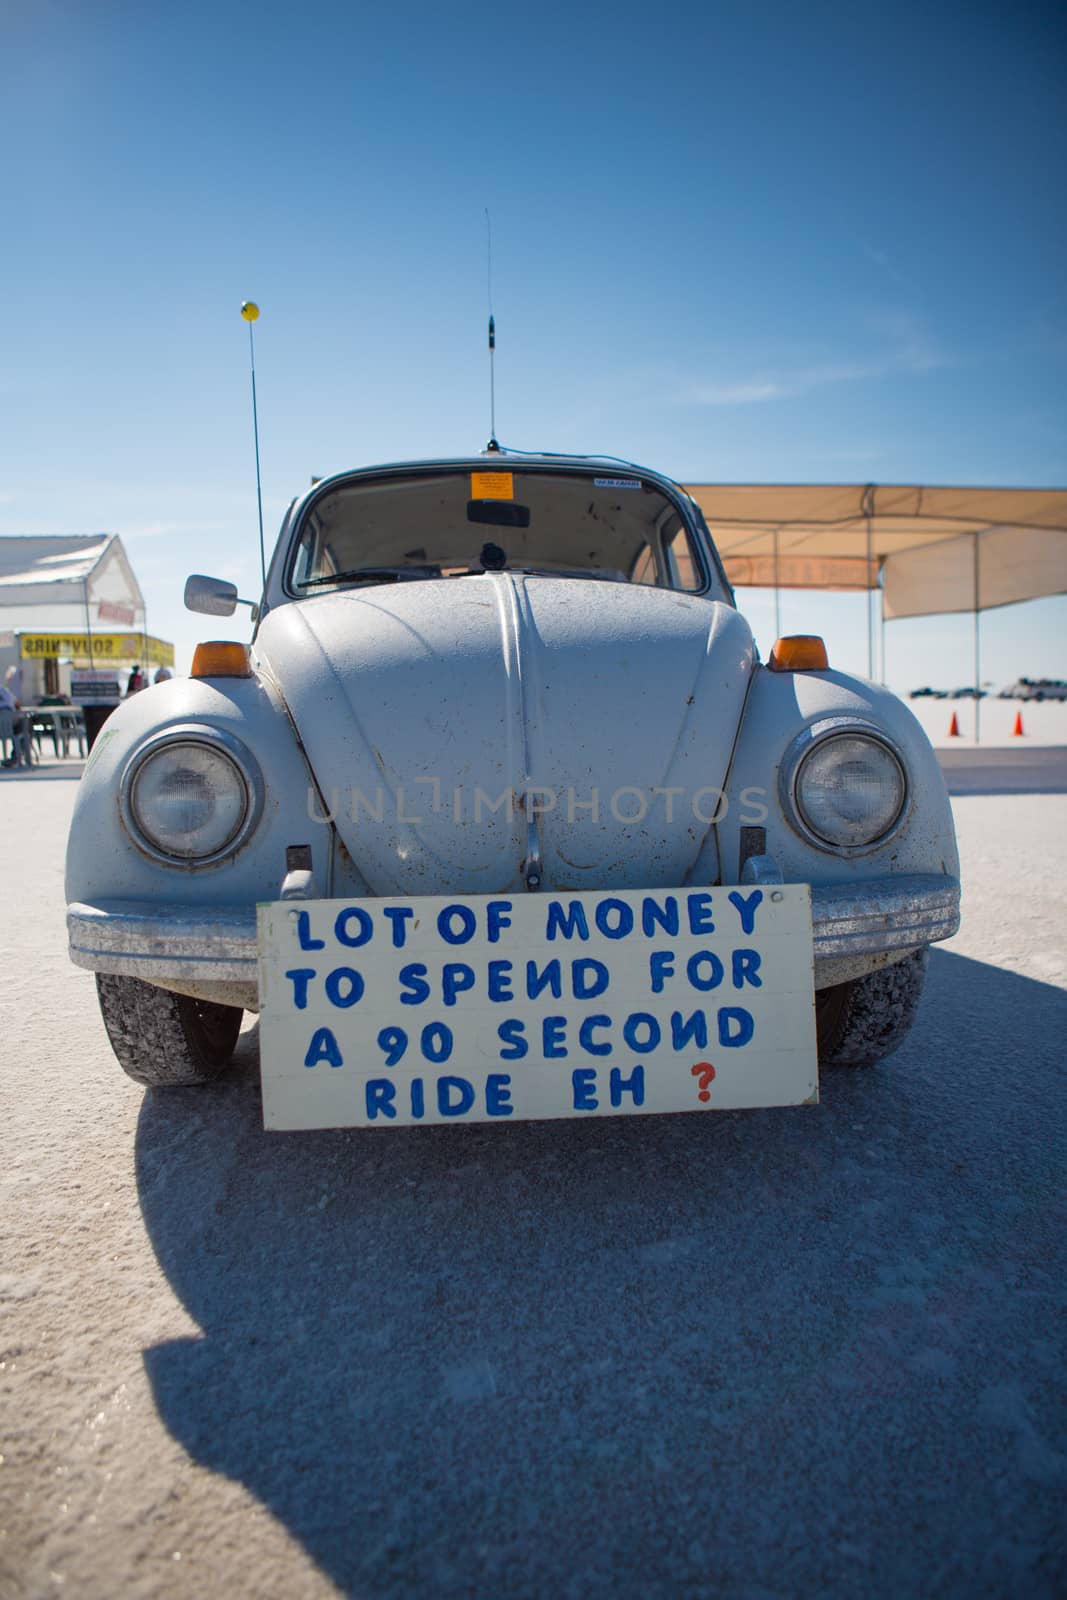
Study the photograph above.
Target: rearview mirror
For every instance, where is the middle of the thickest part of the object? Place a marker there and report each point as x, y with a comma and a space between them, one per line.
213, 596
498, 513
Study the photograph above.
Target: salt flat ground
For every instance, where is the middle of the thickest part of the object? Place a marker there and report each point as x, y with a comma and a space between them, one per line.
748, 1354
1044, 722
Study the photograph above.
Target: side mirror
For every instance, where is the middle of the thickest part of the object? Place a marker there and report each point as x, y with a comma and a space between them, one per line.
213, 596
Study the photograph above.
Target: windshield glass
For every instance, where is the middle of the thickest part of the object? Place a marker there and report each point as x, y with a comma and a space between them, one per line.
452, 523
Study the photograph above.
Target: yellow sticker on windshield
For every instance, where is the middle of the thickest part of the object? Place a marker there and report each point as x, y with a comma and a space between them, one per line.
492, 486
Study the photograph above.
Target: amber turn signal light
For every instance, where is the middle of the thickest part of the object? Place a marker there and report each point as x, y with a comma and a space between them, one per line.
799, 652
221, 658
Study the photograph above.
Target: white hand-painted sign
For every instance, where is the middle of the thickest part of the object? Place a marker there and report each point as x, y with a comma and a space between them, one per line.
382, 1013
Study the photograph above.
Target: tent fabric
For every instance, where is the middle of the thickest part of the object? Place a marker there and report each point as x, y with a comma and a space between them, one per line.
976, 572
30, 560
31, 553
920, 540
50, 584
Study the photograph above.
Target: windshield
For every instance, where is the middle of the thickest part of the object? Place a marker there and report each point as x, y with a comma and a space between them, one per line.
455, 522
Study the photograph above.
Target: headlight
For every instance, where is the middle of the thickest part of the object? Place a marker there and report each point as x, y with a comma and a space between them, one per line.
191, 795
849, 789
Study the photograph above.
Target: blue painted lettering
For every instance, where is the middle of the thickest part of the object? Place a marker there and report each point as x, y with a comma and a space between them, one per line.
553, 1034
455, 1096
567, 923
537, 982
500, 980
418, 1098
413, 977
436, 1042
303, 932
343, 927
745, 1027
583, 1082
633, 1085
301, 977
512, 1036
746, 964
344, 986
588, 978
614, 918
700, 919
665, 916
323, 1047
392, 1042
446, 920
381, 1092
455, 978
398, 916
498, 1094
636, 1024
697, 978
660, 968
692, 1031
746, 907
496, 913
585, 1035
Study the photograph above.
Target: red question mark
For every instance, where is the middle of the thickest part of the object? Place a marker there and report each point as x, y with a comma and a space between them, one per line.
704, 1072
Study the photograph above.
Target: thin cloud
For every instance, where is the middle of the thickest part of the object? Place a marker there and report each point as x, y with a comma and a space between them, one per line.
885, 264
778, 385
912, 344
159, 530
737, 394
907, 347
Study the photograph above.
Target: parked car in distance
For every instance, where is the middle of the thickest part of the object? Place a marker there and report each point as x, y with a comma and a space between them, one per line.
1035, 689
531, 828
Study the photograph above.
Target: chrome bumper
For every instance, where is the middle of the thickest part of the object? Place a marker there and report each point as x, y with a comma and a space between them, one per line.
174, 944
205, 944
883, 915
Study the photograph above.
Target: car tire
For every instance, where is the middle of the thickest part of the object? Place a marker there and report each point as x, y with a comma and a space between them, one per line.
862, 1022
164, 1040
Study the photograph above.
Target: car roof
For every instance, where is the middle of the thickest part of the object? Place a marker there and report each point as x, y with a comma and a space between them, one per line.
487, 459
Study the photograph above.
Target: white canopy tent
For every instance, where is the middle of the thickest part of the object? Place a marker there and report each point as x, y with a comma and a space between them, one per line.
81, 583
71, 599
928, 550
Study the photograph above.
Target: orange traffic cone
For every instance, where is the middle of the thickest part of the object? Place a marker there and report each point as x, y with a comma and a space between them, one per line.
1017, 731
954, 727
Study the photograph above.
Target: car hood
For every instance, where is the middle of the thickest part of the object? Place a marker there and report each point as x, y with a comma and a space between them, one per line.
469, 732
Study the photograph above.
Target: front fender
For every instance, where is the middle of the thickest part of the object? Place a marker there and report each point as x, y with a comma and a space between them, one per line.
105, 864
780, 706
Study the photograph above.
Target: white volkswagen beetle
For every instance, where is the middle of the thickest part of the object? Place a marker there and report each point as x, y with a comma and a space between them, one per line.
530, 828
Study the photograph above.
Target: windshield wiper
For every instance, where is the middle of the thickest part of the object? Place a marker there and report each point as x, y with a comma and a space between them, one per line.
382, 574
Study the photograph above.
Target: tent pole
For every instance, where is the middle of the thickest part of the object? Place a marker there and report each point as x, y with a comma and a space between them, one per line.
777, 592
977, 657
88, 624
881, 615
868, 512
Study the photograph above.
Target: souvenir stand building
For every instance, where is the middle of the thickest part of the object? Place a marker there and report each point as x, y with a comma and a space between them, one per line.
72, 618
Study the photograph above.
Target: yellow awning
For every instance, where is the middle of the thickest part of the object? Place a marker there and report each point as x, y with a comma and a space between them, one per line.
106, 647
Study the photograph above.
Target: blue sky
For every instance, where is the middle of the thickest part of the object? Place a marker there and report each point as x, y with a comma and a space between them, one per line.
754, 243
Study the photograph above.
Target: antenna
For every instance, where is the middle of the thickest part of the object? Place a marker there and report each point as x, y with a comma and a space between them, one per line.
492, 445
250, 312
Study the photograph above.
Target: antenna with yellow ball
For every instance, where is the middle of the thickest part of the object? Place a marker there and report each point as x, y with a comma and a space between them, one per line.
250, 312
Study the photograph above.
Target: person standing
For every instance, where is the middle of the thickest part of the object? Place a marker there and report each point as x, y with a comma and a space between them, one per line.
19, 735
